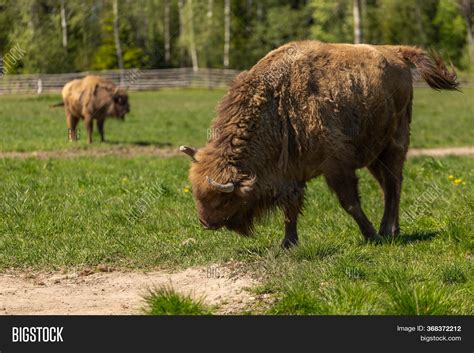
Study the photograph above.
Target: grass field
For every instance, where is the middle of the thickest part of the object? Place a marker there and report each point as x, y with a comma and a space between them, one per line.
71, 213
172, 117
138, 213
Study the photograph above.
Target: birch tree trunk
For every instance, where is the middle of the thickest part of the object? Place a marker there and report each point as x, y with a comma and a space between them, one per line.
181, 28
118, 45
210, 14
357, 9
467, 12
226, 33
210, 5
192, 42
64, 24
167, 32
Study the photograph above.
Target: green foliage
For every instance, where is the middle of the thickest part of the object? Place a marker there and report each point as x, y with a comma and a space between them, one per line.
278, 25
451, 30
105, 57
332, 21
256, 28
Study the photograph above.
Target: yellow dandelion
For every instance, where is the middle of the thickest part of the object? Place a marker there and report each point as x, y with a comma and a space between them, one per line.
451, 177
186, 189
458, 181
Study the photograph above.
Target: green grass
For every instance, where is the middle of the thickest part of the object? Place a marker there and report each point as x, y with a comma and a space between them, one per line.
165, 301
442, 118
133, 213
171, 117
76, 212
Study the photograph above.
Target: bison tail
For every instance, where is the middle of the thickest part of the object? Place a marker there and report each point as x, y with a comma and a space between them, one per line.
431, 67
57, 105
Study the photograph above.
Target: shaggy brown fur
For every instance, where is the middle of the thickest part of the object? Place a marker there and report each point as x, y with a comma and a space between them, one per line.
308, 109
92, 97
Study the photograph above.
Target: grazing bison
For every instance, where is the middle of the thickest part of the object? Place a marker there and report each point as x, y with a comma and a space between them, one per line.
92, 97
308, 109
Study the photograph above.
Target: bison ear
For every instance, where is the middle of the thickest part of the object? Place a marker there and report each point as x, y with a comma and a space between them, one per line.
96, 87
246, 186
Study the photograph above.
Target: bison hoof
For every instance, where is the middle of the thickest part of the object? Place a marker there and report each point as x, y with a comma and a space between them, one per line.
375, 239
288, 243
389, 231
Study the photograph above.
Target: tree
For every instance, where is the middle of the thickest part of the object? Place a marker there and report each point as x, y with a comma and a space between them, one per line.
451, 31
467, 11
118, 45
64, 24
192, 40
332, 20
226, 33
68, 36
167, 33
357, 10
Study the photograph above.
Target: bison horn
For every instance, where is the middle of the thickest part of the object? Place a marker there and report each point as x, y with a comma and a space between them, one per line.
229, 187
189, 151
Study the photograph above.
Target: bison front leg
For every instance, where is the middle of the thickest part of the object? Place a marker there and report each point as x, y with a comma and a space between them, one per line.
88, 122
292, 205
71, 126
291, 234
344, 184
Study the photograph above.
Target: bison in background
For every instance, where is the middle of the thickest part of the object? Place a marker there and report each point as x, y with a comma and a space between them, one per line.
89, 98
308, 109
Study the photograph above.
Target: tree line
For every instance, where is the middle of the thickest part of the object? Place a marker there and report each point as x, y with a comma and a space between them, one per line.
68, 36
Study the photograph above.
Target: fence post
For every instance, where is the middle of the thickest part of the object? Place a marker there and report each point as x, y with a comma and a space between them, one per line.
39, 86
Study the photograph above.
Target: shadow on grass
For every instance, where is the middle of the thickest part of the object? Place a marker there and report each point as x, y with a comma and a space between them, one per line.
416, 237
405, 239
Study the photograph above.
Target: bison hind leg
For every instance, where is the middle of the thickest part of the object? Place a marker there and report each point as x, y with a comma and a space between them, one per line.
344, 184
72, 126
100, 127
387, 170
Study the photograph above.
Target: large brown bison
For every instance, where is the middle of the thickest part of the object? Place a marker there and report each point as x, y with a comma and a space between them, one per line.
89, 98
308, 109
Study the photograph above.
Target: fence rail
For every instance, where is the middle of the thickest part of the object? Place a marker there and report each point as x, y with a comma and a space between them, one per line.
133, 79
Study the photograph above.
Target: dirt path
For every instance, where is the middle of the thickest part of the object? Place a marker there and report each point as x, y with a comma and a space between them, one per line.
131, 151
108, 293
123, 151
440, 152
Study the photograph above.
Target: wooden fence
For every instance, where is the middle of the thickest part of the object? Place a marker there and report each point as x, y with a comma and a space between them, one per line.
134, 79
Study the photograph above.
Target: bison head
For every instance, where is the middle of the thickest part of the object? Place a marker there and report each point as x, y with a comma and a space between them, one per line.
229, 202
120, 104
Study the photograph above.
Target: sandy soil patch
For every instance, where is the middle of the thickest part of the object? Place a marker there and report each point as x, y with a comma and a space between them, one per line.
440, 152
124, 151
98, 292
